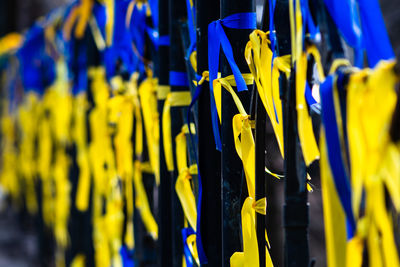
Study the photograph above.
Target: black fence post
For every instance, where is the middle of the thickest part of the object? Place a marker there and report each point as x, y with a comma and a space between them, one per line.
209, 157
233, 182
295, 211
177, 14
164, 199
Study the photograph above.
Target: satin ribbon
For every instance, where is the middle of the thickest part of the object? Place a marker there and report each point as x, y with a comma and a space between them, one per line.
191, 19
79, 137
245, 148
259, 58
299, 62
189, 250
173, 99
163, 40
361, 24
339, 172
216, 39
177, 78
201, 253
142, 203
148, 101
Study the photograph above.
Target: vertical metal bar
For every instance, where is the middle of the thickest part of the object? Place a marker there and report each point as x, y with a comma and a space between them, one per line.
177, 13
209, 157
295, 213
165, 215
232, 180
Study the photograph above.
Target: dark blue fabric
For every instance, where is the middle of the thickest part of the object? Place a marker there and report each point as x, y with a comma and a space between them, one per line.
154, 12
191, 18
186, 251
216, 39
200, 249
340, 175
127, 257
177, 78
363, 28
375, 36
163, 40
120, 53
308, 94
36, 67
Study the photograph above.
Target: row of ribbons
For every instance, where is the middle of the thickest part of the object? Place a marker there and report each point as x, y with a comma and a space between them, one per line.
91, 103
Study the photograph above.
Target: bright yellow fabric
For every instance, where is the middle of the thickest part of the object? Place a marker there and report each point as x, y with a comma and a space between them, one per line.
249, 256
148, 102
334, 217
173, 99
102, 163
142, 203
10, 42
163, 91
80, 138
183, 186
28, 118
245, 148
299, 59
374, 161
259, 58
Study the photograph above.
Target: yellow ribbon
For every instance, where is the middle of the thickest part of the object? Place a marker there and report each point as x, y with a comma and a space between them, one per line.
183, 186
79, 136
148, 101
173, 99
142, 203
245, 148
249, 256
374, 161
259, 58
334, 217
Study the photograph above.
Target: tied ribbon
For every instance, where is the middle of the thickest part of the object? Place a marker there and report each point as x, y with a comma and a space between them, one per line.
186, 196
80, 138
142, 203
245, 148
336, 161
205, 77
259, 58
163, 40
189, 247
216, 39
178, 78
299, 60
173, 99
249, 256
191, 18
361, 25
148, 103
183, 186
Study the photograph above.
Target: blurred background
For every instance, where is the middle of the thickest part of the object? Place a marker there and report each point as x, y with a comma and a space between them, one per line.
18, 240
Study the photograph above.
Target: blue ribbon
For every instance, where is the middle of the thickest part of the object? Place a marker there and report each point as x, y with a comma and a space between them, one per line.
308, 94
37, 68
336, 162
191, 17
363, 28
200, 249
154, 12
376, 40
127, 257
121, 48
163, 40
178, 78
216, 39
186, 251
